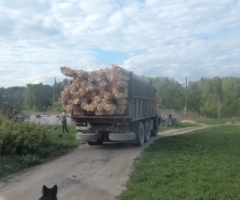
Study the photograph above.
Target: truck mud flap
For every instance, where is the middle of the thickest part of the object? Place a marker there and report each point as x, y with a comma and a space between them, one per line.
154, 131
122, 136
88, 136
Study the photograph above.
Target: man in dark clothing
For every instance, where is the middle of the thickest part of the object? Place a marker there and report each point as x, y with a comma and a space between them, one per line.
63, 117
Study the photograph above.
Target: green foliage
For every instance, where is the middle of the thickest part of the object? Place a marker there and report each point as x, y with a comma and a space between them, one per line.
226, 90
199, 165
178, 126
193, 96
231, 86
57, 107
38, 96
209, 121
22, 138
209, 111
171, 91
24, 144
11, 100
203, 96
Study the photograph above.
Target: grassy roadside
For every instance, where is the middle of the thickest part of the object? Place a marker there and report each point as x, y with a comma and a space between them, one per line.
200, 165
178, 126
212, 121
209, 121
23, 145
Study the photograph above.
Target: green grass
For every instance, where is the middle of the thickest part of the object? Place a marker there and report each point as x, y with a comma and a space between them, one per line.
200, 165
235, 120
212, 121
178, 126
209, 121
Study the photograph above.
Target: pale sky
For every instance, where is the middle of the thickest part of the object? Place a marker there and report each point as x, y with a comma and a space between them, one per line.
173, 38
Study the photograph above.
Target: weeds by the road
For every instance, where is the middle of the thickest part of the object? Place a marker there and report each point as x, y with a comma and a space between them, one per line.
23, 145
178, 126
209, 121
200, 165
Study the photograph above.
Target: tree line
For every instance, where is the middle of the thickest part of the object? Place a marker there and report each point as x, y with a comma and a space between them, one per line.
33, 97
206, 96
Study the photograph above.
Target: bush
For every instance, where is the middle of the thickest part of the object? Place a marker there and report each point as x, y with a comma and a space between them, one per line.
209, 111
25, 144
22, 138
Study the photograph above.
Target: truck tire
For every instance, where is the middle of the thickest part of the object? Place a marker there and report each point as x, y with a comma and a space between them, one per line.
139, 134
146, 132
154, 131
122, 136
88, 136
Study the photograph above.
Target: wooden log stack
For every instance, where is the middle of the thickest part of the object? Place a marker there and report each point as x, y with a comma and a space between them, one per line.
101, 92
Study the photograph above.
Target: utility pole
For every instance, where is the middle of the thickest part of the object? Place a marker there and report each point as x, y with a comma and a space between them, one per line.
185, 107
218, 107
53, 99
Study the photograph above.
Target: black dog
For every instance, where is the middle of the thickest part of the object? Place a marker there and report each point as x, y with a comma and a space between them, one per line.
49, 193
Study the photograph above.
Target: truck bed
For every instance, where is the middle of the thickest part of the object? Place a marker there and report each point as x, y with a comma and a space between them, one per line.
141, 104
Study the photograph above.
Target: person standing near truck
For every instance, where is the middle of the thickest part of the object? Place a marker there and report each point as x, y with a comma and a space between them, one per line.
63, 118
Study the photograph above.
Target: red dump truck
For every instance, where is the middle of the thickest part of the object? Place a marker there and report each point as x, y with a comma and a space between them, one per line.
136, 124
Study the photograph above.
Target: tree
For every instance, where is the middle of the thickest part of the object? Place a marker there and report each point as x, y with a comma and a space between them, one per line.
230, 96
210, 89
38, 96
171, 91
11, 103
193, 96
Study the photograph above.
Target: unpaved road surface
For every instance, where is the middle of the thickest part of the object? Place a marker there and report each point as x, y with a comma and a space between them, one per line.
87, 173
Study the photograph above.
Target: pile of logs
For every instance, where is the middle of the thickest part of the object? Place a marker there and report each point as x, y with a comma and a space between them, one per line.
101, 92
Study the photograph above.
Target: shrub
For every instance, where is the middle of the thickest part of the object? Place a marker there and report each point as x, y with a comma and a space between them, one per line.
24, 144
22, 138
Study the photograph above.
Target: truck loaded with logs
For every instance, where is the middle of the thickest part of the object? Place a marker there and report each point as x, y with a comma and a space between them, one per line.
111, 104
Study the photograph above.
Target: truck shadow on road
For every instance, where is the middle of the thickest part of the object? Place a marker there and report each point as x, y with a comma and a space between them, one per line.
111, 145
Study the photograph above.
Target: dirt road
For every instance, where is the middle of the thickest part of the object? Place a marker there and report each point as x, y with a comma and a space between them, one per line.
87, 173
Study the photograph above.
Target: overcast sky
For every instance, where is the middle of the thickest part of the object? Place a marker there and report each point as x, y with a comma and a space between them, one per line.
173, 38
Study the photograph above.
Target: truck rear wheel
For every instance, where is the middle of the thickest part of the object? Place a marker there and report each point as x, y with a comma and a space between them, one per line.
139, 134
154, 131
146, 132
